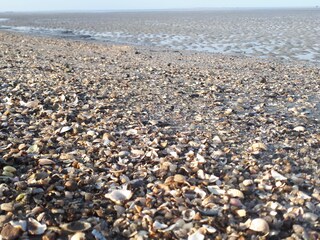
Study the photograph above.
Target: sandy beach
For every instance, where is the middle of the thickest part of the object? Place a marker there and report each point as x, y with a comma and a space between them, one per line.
120, 142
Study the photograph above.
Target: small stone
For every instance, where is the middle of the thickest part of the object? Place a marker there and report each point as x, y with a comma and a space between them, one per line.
71, 185
10, 233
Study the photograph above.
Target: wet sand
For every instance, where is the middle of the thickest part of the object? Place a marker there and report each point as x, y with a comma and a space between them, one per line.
143, 143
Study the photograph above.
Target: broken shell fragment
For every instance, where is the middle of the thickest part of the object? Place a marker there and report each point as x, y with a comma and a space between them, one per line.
78, 236
118, 196
158, 225
258, 147
77, 226
20, 224
36, 228
299, 129
196, 235
277, 176
235, 193
65, 129
259, 225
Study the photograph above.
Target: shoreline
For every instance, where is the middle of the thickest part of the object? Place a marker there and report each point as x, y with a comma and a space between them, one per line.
135, 142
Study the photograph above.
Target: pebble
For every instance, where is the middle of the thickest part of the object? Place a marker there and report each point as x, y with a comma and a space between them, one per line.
9, 232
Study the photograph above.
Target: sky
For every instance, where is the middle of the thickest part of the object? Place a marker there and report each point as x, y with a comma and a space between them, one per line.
83, 5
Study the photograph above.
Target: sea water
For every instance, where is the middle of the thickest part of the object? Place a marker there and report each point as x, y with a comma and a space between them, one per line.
291, 34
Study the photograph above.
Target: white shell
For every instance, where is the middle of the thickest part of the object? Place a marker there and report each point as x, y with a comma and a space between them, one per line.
259, 225
235, 193
45, 161
36, 228
78, 236
119, 196
65, 129
20, 224
299, 129
158, 225
196, 236
277, 176
257, 147
216, 190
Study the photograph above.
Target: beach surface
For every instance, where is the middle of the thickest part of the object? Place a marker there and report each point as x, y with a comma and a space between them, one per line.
100, 141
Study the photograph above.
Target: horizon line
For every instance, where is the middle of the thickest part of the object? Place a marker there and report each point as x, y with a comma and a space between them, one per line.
161, 9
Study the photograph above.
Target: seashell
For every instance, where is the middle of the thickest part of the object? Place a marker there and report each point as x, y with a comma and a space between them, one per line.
196, 236
299, 129
118, 196
7, 174
235, 202
132, 132
9, 232
188, 215
178, 178
247, 182
257, 147
77, 226
9, 169
137, 152
30, 104
200, 158
228, 111
277, 176
45, 161
22, 224
235, 193
216, 190
78, 236
8, 207
310, 217
158, 225
259, 225
209, 228
216, 139
91, 133
36, 228
241, 212
65, 129
33, 149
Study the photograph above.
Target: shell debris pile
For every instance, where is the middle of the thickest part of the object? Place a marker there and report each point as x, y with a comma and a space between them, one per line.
119, 142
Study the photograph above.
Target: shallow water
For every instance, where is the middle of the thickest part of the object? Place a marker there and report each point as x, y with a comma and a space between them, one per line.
282, 33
